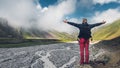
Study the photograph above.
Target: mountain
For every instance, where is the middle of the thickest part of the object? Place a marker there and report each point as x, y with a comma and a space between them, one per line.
64, 36
34, 33
6, 31
108, 32
48, 34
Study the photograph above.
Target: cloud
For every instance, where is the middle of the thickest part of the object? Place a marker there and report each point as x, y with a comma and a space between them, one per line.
29, 13
85, 4
104, 1
109, 15
18, 13
52, 16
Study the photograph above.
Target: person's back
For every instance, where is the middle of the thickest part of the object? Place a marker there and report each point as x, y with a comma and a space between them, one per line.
85, 31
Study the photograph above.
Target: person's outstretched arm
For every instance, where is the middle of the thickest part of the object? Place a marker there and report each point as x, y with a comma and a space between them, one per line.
71, 23
97, 24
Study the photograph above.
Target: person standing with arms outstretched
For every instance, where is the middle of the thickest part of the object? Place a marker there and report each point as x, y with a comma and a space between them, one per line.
84, 36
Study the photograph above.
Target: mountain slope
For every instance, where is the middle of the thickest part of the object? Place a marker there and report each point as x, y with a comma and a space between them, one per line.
6, 31
108, 32
49, 34
63, 35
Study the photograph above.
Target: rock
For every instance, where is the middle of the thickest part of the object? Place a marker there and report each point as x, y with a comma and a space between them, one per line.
60, 57
84, 66
38, 64
34, 57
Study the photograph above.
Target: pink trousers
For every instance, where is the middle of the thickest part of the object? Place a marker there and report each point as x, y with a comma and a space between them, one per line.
84, 50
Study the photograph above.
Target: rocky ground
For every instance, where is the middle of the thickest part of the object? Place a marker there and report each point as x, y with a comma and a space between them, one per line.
107, 51
61, 55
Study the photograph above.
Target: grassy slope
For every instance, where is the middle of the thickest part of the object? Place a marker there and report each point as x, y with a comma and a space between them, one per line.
63, 36
108, 32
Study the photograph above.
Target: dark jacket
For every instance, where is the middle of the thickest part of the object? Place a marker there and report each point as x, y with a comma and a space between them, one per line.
85, 29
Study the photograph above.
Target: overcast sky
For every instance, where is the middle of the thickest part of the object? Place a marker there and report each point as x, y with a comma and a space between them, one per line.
48, 14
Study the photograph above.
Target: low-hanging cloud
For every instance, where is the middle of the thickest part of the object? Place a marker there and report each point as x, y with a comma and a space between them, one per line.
29, 13
18, 13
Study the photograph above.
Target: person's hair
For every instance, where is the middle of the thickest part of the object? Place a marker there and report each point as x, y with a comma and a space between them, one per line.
84, 19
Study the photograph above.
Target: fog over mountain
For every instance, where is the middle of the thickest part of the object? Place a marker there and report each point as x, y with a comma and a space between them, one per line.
29, 14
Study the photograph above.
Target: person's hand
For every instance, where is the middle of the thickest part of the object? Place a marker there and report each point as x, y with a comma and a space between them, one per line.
103, 22
65, 21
